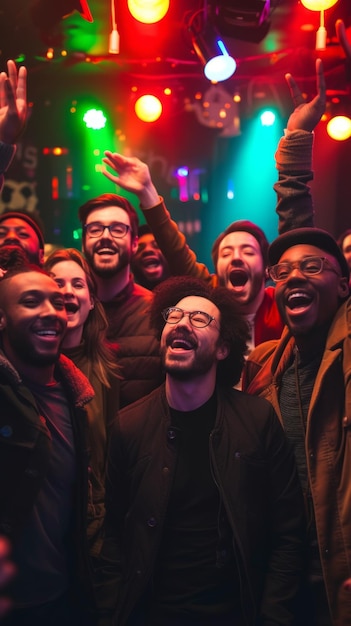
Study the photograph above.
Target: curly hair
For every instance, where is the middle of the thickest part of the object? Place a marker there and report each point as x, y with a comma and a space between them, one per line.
234, 330
97, 350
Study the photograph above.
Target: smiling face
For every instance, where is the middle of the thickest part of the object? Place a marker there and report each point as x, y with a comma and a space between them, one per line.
189, 352
72, 282
106, 255
15, 232
148, 261
308, 304
32, 321
240, 267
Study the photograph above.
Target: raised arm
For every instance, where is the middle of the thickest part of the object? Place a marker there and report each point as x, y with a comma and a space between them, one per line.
294, 156
13, 112
133, 175
342, 37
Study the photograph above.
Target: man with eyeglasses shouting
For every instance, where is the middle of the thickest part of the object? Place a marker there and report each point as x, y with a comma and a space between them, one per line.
203, 506
306, 375
110, 239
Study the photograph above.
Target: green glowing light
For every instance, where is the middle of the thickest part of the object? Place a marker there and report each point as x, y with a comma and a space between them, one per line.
94, 119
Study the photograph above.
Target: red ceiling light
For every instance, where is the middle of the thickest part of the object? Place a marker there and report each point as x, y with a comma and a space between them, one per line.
148, 108
148, 11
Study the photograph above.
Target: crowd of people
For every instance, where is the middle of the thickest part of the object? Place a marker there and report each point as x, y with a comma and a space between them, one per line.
175, 444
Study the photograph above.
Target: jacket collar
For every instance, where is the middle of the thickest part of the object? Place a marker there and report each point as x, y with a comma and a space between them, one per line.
77, 384
339, 329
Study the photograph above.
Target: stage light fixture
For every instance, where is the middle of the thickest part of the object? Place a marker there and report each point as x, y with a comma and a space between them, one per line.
242, 19
212, 52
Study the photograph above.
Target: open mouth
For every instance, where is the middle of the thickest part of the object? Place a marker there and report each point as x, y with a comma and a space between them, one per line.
238, 278
181, 342
47, 333
108, 251
150, 263
298, 300
71, 307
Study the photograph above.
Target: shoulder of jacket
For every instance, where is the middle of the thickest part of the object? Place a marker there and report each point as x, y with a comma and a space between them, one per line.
78, 384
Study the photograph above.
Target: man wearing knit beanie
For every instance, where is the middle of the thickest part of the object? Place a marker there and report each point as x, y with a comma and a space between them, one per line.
20, 230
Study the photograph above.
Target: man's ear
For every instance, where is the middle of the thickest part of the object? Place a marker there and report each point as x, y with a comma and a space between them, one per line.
41, 256
344, 287
135, 242
222, 351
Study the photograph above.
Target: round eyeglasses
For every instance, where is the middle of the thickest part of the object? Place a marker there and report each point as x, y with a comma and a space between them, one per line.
310, 266
117, 230
198, 319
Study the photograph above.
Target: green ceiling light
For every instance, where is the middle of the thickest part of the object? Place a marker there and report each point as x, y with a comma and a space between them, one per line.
94, 119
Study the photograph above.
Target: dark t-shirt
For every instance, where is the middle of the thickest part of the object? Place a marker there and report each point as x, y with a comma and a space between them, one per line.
195, 574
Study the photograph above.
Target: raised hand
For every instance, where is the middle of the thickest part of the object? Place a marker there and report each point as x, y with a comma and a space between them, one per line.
306, 115
341, 35
13, 102
132, 175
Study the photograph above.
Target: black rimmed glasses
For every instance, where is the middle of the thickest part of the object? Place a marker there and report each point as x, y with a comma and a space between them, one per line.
198, 319
310, 266
117, 230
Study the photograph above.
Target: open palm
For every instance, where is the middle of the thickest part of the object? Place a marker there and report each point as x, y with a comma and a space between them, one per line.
13, 102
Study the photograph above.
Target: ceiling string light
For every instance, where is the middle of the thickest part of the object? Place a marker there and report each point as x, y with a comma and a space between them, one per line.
113, 47
320, 5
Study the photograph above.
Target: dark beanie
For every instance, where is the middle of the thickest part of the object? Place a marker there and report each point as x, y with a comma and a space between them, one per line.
247, 227
29, 220
312, 236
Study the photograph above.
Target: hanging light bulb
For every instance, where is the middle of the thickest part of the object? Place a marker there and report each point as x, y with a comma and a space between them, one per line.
148, 11
320, 5
339, 127
148, 108
113, 46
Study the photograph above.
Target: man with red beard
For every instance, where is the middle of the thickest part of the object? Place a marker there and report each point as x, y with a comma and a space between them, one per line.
203, 508
306, 377
110, 240
43, 455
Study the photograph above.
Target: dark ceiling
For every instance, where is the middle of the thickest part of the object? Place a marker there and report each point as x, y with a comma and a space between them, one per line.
162, 52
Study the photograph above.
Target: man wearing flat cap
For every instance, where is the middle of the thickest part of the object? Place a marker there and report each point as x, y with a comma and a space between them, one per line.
306, 375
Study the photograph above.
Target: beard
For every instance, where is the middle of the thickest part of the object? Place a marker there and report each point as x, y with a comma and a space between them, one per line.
122, 261
26, 352
13, 256
199, 365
